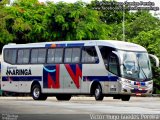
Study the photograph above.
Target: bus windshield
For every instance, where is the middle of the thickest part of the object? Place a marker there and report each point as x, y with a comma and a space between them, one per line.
135, 65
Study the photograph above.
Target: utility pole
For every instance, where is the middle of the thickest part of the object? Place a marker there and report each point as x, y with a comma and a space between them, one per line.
123, 23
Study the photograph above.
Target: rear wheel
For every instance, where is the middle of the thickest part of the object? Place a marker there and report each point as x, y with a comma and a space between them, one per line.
98, 93
37, 94
63, 97
125, 97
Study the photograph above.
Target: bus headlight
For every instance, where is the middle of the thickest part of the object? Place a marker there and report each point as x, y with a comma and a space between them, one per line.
125, 82
150, 82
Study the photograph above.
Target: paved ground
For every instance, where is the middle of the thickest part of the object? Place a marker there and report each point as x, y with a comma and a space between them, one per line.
83, 106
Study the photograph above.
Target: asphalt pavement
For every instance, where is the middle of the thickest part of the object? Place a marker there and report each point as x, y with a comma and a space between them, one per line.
86, 108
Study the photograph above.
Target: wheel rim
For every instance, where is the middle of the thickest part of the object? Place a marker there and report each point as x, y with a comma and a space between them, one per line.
36, 92
97, 92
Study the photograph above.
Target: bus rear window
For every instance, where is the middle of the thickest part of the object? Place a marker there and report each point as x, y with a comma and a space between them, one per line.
10, 56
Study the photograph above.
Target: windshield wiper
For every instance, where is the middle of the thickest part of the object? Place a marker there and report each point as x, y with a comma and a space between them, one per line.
142, 70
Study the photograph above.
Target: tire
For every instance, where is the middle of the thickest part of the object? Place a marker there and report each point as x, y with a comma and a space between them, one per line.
37, 94
98, 93
125, 97
63, 97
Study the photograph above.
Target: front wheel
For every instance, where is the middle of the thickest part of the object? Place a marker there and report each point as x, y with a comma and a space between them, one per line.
98, 93
37, 94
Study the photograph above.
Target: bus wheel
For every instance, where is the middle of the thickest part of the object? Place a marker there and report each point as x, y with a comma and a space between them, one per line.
63, 97
125, 97
98, 93
37, 94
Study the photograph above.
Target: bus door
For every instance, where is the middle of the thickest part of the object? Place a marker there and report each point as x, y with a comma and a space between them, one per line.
114, 71
110, 60
92, 69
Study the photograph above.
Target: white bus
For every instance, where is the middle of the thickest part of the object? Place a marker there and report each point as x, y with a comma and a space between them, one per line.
0, 68
63, 69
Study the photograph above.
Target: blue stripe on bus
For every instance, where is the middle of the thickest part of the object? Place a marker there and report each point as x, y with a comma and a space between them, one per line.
75, 44
100, 78
64, 45
39, 78
22, 78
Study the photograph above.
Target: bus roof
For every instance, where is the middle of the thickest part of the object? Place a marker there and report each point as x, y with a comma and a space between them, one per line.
121, 45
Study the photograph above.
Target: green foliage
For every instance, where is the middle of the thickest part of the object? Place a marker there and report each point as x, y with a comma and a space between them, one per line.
151, 41
76, 22
142, 21
5, 36
31, 21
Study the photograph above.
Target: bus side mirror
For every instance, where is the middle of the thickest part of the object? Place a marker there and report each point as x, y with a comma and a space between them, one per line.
155, 58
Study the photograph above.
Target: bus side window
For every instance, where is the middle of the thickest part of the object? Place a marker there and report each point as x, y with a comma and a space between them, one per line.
50, 55
10, 55
38, 55
105, 52
72, 55
58, 55
113, 64
68, 55
89, 55
76, 52
23, 56
41, 55
34, 55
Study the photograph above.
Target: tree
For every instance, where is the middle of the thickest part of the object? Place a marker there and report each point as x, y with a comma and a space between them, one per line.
142, 21
32, 21
71, 21
27, 22
112, 14
151, 41
5, 36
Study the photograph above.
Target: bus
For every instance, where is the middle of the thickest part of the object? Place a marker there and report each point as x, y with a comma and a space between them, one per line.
0, 65
98, 68
0, 75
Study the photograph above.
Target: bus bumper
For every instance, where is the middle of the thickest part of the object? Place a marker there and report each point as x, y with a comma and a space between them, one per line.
136, 88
